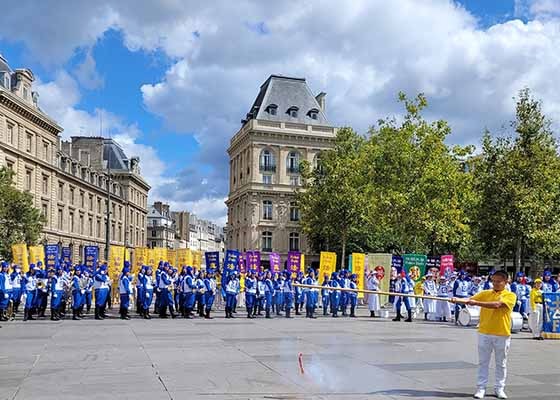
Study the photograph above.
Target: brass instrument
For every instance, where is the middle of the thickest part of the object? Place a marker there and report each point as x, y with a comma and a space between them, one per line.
41, 284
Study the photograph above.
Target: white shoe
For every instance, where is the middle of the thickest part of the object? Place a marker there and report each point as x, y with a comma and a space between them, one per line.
479, 394
500, 394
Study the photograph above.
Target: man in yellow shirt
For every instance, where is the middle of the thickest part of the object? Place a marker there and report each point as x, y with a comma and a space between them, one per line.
494, 332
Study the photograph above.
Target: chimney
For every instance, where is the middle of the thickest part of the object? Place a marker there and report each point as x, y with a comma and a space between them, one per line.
321, 100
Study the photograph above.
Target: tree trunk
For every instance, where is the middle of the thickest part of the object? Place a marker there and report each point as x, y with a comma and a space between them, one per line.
517, 260
343, 249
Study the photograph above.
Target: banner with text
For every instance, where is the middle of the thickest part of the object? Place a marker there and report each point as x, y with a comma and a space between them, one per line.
36, 254
327, 263
359, 268
51, 255
91, 255
294, 262
116, 259
197, 259
381, 263
274, 262
433, 264
20, 257
212, 260
415, 265
140, 258
172, 257
253, 260
397, 264
184, 258
447, 265
67, 255
551, 325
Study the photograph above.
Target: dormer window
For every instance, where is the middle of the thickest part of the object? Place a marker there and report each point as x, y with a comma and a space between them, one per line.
272, 109
293, 111
313, 113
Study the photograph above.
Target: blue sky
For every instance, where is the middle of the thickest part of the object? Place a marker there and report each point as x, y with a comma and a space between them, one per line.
172, 80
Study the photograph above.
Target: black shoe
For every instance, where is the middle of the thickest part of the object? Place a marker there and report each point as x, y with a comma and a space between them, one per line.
372, 314
25, 314
397, 318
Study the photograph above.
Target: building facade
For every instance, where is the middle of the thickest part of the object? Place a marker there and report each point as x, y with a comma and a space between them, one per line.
286, 125
197, 233
161, 228
72, 183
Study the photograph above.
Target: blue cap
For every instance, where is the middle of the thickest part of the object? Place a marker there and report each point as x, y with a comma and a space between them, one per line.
353, 276
103, 267
189, 270
520, 274
547, 273
334, 275
125, 270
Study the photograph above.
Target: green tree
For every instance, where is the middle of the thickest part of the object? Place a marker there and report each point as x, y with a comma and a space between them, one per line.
518, 180
19, 220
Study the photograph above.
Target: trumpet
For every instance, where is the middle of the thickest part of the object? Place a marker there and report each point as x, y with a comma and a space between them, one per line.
41, 284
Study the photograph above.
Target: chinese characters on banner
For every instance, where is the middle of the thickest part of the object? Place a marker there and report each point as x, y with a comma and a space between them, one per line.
327, 263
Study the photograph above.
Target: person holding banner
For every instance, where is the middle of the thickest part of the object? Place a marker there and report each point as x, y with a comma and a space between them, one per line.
15, 280
494, 332
536, 305
548, 284
261, 287
125, 291
250, 292
101, 289
88, 285
277, 283
232, 289
29, 283
325, 294
57, 293
373, 298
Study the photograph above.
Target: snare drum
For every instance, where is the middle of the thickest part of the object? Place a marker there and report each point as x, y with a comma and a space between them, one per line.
469, 316
516, 322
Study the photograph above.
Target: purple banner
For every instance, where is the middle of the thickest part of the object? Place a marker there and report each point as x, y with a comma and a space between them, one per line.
274, 262
242, 264
397, 263
294, 261
253, 260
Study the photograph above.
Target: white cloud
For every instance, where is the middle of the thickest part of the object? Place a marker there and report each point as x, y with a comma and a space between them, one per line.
87, 74
361, 52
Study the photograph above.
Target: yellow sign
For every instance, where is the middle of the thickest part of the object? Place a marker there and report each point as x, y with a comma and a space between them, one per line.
327, 263
160, 254
19, 256
140, 257
172, 257
184, 258
381, 264
36, 253
116, 259
197, 259
359, 268
152, 258
302, 263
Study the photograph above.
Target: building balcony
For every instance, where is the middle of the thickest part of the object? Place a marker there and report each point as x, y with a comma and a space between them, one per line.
267, 168
293, 170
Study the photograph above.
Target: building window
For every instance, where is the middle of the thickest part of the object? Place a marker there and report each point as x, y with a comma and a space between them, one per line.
45, 211
313, 113
267, 210
46, 152
154, 233
267, 179
10, 166
113, 231
90, 226
29, 143
81, 224
60, 219
294, 180
271, 109
71, 219
154, 245
26, 92
120, 234
99, 208
28, 179
294, 211
98, 227
292, 166
82, 199
293, 112
294, 241
72, 195
61, 191
267, 162
45, 185
10, 135
267, 241
91, 203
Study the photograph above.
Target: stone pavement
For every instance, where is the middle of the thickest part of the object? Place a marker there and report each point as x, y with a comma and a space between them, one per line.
215, 359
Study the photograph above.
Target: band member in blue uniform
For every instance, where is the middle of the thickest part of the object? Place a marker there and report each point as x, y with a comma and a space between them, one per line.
125, 291
148, 291
188, 288
404, 285
343, 296
210, 293
179, 295
522, 291
17, 290
268, 294
78, 292
5, 290
101, 289
325, 294
335, 294
88, 278
232, 289
310, 300
42, 291
139, 290
29, 284
165, 286
57, 292
259, 304
298, 293
279, 290
200, 289
250, 292
353, 296
548, 284
460, 290
288, 293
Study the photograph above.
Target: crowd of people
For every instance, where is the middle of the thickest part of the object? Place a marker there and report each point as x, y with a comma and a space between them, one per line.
191, 292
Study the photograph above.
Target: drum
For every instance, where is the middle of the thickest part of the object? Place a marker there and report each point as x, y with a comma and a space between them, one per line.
384, 313
516, 322
469, 316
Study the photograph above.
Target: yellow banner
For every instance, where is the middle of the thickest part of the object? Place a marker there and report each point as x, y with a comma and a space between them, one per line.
327, 263
19, 256
36, 253
116, 259
140, 258
184, 258
381, 262
359, 268
197, 259
172, 257
302, 263
160, 254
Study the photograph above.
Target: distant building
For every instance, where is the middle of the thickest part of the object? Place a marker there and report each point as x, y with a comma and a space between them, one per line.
69, 181
161, 228
197, 233
285, 125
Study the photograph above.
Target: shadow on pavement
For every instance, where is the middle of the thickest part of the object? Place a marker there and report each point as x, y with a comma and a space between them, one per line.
421, 393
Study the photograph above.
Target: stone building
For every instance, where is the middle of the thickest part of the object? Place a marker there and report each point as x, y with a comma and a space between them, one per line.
161, 228
285, 125
70, 181
198, 233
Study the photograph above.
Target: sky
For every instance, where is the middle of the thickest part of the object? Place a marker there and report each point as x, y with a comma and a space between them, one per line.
171, 79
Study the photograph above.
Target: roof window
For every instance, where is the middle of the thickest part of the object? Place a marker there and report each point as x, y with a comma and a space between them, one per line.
293, 111
271, 109
313, 113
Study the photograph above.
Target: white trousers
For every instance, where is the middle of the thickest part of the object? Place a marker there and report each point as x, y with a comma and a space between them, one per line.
373, 302
499, 345
536, 320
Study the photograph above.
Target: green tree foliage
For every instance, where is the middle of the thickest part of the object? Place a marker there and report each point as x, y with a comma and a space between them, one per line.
518, 178
400, 189
19, 220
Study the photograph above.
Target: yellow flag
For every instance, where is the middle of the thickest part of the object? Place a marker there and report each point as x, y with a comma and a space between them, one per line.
302, 263
116, 259
152, 258
19, 256
36, 253
172, 257
161, 254
197, 259
327, 263
184, 258
140, 258
359, 268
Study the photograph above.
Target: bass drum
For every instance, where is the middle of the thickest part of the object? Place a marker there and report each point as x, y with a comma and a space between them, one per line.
469, 316
516, 322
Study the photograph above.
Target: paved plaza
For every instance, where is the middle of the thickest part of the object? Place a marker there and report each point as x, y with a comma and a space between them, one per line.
343, 358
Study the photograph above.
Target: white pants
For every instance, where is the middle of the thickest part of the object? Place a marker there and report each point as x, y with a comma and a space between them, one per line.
442, 309
429, 306
499, 345
536, 320
373, 302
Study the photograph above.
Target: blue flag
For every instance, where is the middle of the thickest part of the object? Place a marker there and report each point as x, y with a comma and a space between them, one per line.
551, 320
212, 260
51, 256
91, 255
